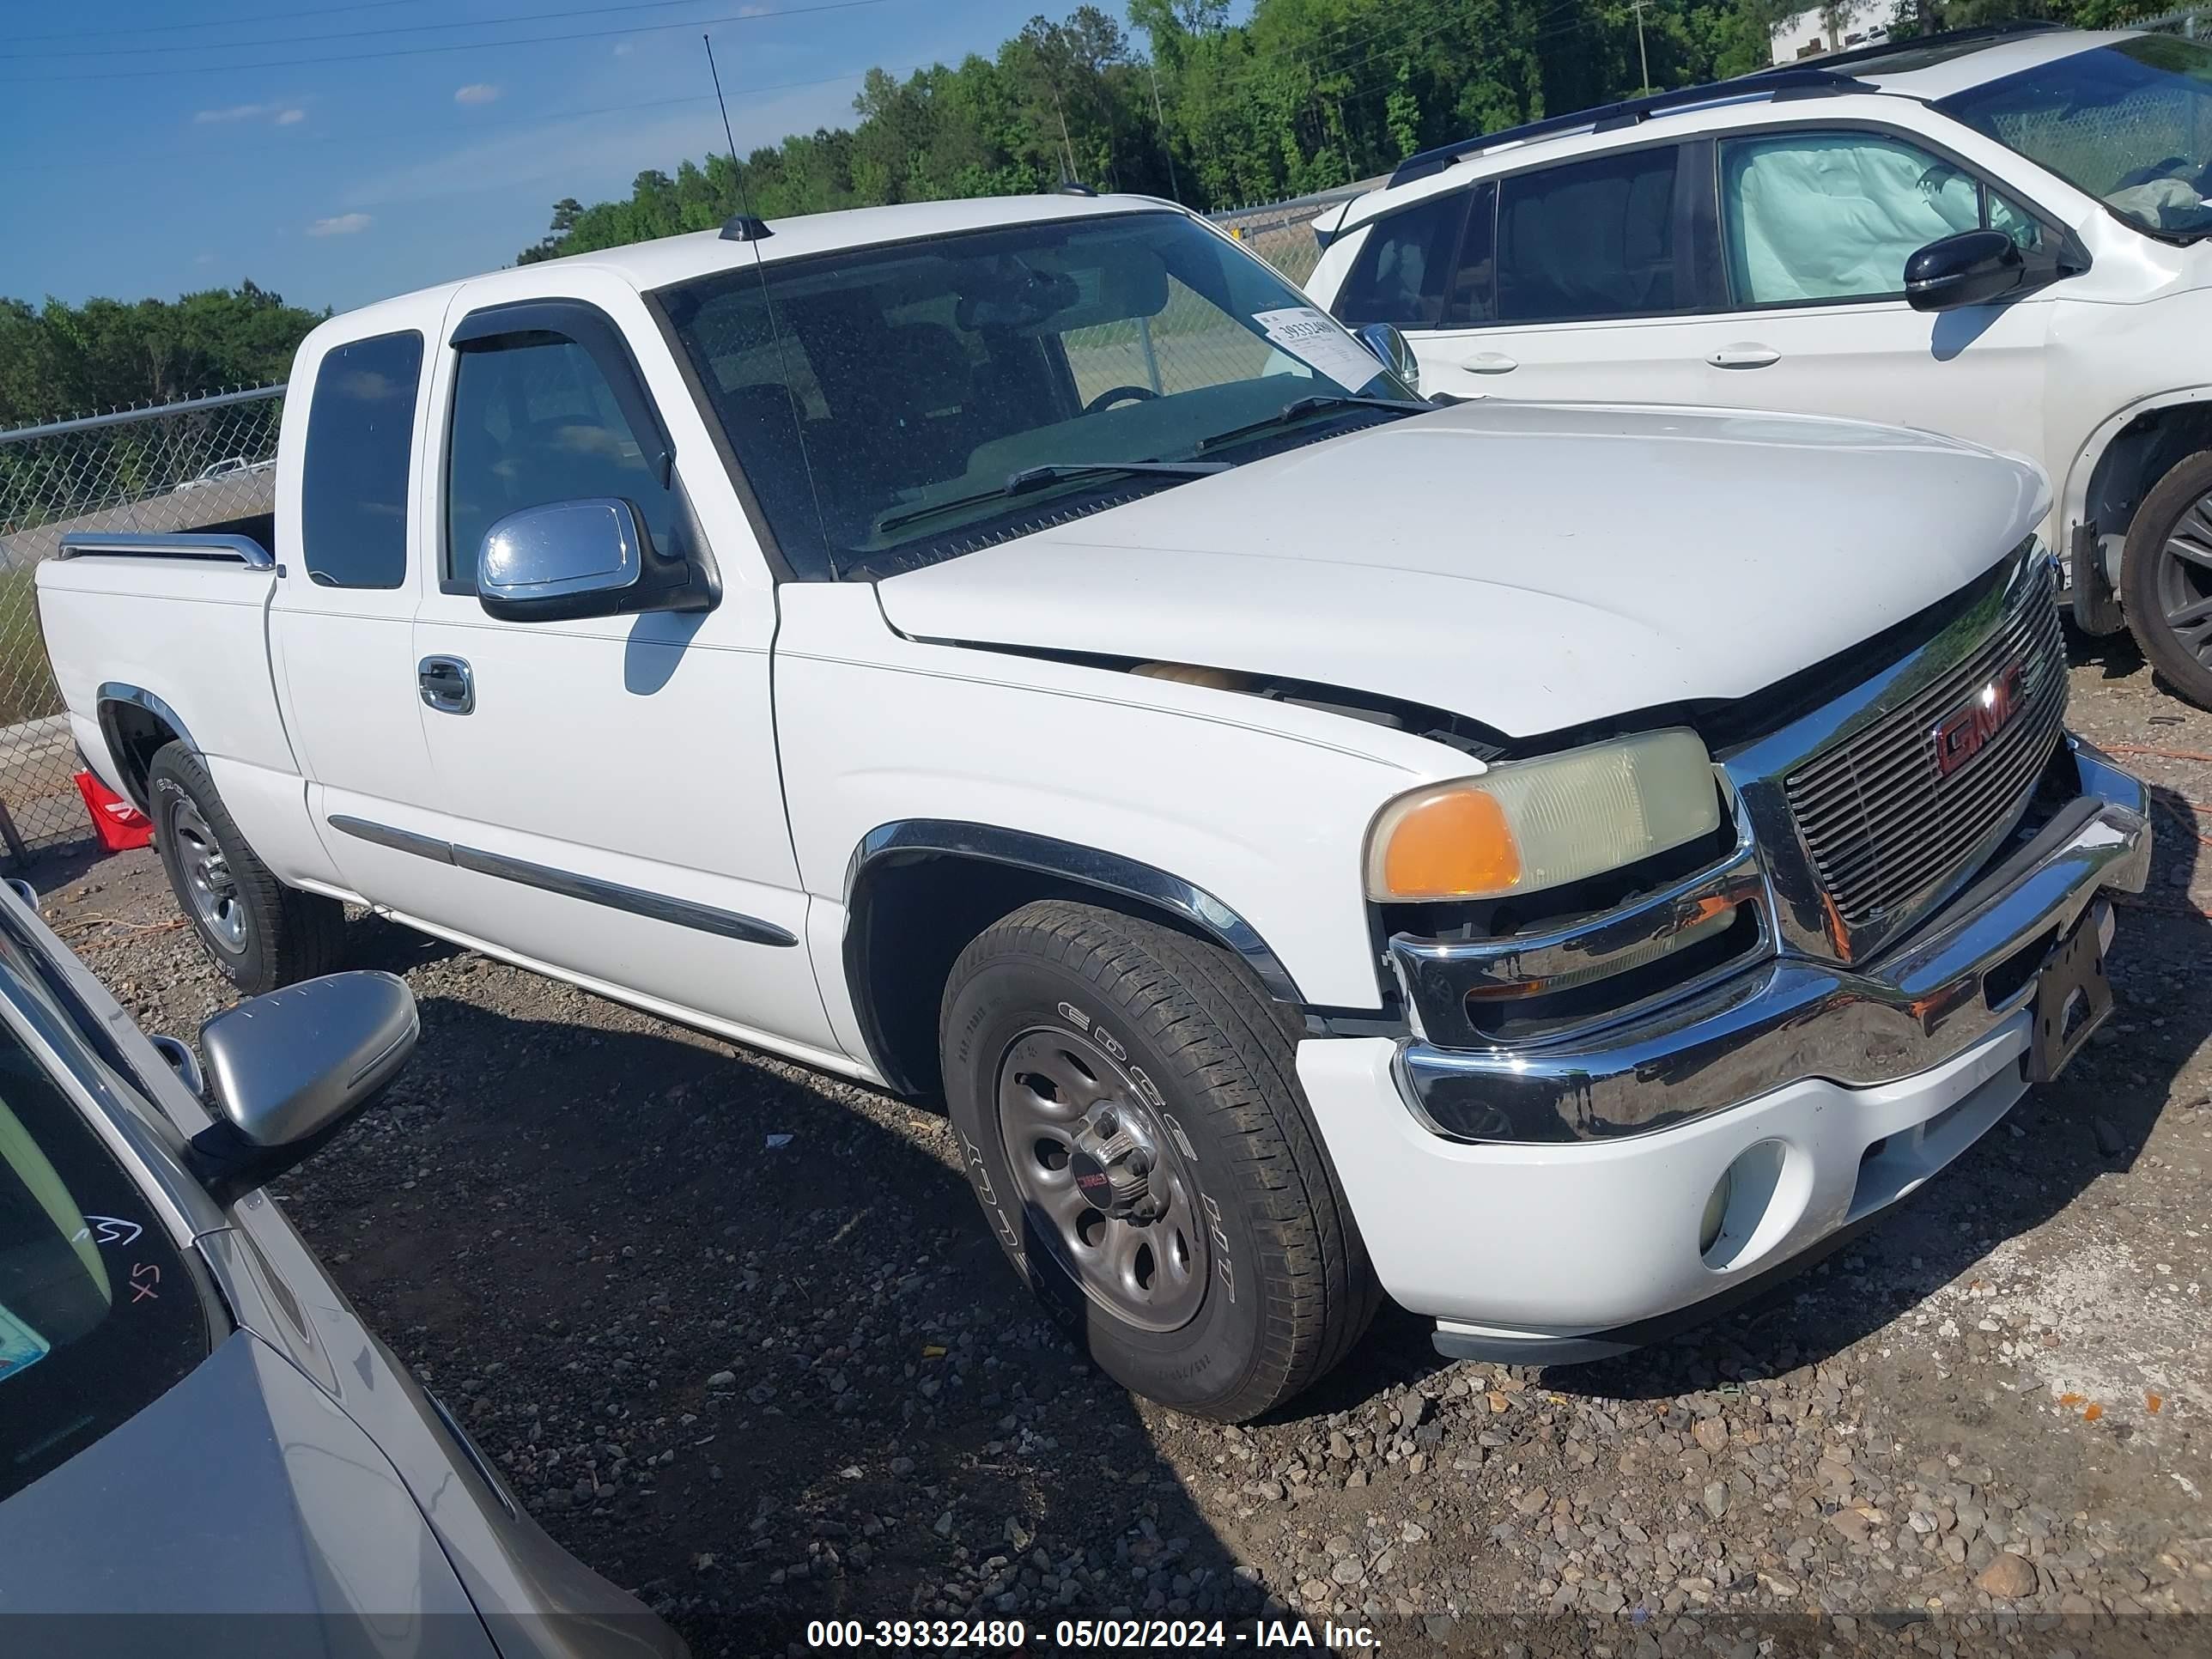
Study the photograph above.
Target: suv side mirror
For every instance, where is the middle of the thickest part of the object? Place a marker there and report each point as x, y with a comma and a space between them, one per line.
592, 558
285, 1072
1392, 349
1969, 268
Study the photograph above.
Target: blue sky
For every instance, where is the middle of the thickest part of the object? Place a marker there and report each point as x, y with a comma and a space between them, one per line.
142, 158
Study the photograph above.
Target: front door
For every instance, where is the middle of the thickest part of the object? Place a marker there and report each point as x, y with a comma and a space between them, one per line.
611, 783
1816, 227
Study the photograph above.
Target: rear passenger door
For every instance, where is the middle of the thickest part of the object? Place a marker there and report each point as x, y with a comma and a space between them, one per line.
609, 784
1569, 281
341, 620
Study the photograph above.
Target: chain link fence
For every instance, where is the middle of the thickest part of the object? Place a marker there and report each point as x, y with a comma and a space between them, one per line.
172, 468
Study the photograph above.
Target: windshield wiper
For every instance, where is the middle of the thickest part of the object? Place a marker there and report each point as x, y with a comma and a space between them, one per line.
1298, 407
1036, 477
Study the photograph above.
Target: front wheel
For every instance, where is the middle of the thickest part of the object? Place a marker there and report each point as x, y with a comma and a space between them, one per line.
260, 932
2165, 578
1130, 1118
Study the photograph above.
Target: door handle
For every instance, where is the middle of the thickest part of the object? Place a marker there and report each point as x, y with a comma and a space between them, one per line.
448, 685
1747, 355
1489, 362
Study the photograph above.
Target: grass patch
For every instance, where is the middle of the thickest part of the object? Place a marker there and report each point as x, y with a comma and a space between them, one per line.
27, 684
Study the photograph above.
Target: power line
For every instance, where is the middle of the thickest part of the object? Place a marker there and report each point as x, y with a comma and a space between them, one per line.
750, 16
218, 22
363, 35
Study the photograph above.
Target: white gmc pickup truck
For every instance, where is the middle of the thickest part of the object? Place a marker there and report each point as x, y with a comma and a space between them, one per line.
1556, 866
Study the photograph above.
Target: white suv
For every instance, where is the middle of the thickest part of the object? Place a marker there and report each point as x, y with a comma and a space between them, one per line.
1997, 234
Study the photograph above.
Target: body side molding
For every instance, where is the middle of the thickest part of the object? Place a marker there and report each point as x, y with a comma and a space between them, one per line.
659, 906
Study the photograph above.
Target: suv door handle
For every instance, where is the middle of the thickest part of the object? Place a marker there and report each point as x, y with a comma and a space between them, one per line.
1489, 362
1747, 355
447, 684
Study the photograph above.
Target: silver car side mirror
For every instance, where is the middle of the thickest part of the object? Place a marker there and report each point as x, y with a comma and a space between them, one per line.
1392, 349
285, 1072
579, 558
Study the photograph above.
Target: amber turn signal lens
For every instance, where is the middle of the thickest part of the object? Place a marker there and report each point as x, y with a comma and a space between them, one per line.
1452, 843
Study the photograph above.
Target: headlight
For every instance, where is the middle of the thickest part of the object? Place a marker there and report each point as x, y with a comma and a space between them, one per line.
1526, 825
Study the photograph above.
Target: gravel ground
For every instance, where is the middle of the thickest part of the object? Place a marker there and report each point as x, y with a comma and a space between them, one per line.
735, 1333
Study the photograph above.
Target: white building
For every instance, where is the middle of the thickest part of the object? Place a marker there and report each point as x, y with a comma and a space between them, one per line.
1831, 28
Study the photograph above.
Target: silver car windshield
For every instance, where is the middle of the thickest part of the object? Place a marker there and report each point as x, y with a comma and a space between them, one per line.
99, 1317
878, 401
2130, 123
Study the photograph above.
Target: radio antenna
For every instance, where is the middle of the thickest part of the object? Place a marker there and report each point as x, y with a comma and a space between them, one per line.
737, 167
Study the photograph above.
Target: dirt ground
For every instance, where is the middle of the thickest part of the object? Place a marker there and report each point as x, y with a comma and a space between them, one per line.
735, 1333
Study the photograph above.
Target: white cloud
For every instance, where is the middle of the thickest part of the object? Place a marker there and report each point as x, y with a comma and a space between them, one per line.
623, 48
285, 115
204, 258
343, 224
477, 91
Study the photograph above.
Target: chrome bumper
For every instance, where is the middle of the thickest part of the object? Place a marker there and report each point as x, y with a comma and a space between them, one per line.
1967, 968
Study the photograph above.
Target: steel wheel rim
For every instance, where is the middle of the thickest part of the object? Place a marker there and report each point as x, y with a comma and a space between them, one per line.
1053, 1088
209, 883
2184, 579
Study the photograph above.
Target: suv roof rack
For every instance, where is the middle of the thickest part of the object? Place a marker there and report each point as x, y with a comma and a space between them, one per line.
1783, 81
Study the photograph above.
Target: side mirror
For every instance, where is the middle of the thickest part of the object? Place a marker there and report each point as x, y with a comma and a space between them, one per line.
285, 1072
582, 558
1969, 268
1391, 350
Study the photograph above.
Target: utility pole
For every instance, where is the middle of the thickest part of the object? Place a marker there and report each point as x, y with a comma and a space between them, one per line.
1643, 61
1160, 118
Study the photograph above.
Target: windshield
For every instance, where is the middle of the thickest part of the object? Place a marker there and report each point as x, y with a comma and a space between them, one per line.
98, 1314
879, 401
2130, 123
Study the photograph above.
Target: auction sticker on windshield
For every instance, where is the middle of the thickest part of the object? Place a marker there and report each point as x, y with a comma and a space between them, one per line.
1309, 336
20, 1346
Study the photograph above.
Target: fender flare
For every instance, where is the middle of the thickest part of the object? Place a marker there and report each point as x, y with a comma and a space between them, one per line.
114, 694
1109, 873
1112, 875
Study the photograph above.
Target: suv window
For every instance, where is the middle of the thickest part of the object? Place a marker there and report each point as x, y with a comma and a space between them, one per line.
1834, 216
1588, 238
360, 439
1404, 270
99, 1317
535, 421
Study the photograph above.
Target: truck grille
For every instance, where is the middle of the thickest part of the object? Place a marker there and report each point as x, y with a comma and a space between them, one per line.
1887, 819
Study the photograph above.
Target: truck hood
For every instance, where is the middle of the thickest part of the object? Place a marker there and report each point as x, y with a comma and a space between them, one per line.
1531, 566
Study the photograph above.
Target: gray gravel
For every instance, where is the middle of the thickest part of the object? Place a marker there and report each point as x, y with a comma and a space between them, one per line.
762, 1382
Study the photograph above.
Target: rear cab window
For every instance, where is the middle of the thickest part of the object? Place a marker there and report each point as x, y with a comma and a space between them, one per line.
360, 451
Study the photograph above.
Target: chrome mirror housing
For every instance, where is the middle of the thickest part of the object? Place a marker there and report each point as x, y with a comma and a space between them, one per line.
1392, 350
580, 558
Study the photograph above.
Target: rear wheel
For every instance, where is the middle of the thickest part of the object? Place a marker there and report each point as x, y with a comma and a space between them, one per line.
260, 932
2165, 578
1130, 1119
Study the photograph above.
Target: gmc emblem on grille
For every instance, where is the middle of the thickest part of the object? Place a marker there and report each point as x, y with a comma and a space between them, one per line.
1962, 734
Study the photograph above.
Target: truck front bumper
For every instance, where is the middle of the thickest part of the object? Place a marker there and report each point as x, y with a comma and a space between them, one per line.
1807, 1095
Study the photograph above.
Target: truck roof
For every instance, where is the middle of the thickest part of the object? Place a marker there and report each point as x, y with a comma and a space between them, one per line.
647, 265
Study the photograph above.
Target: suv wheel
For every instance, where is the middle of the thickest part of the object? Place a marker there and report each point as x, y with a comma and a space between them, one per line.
2165, 578
261, 934
1130, 1119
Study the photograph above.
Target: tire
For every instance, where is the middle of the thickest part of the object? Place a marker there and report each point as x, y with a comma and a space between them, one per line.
260, 932
2158, 584
1080, 1046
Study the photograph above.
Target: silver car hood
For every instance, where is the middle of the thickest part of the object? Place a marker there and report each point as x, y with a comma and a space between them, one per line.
242, 1492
